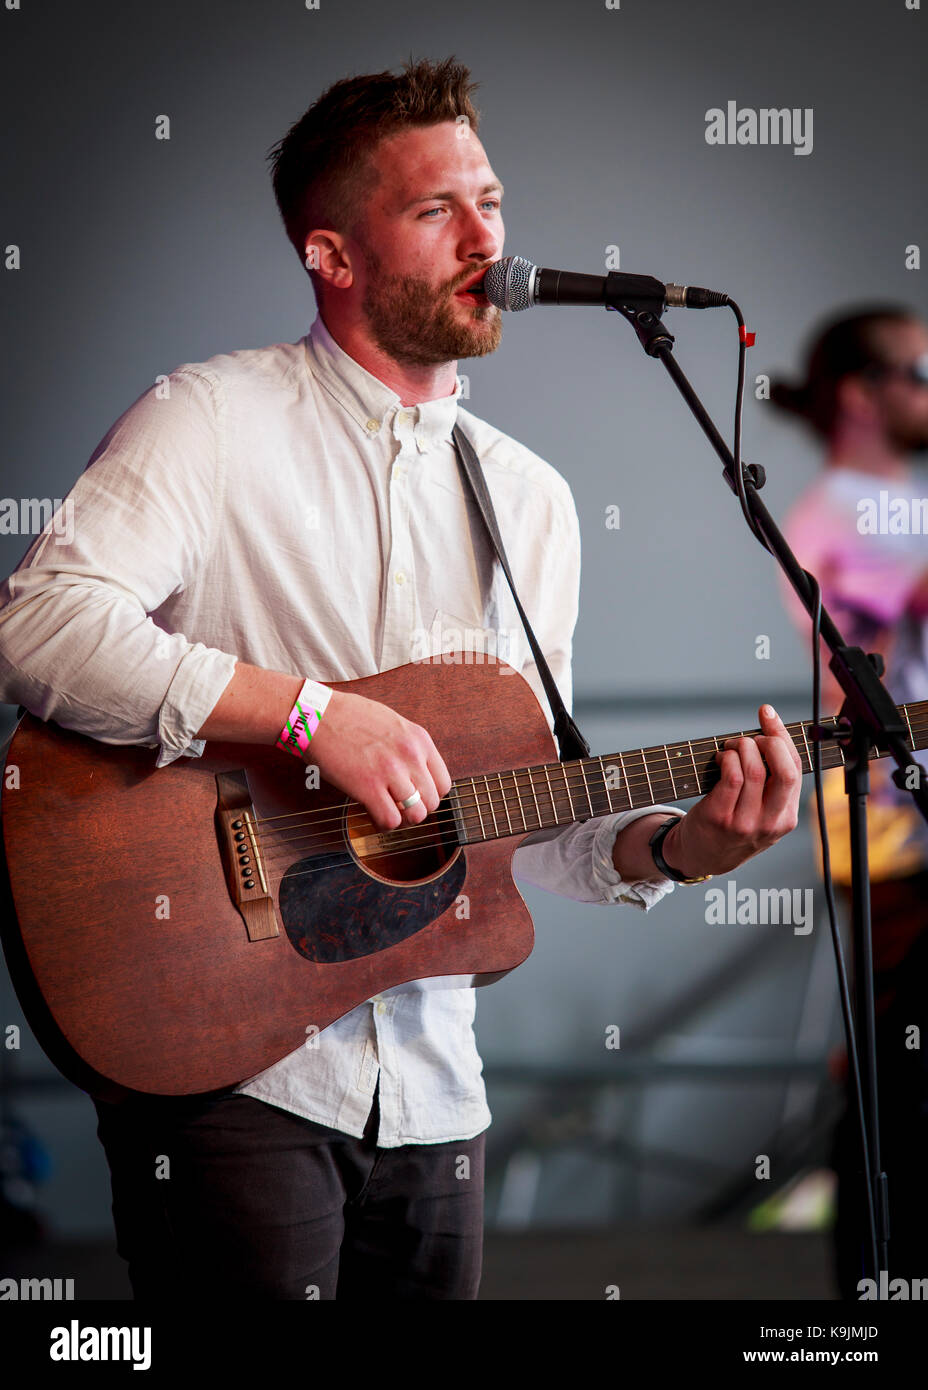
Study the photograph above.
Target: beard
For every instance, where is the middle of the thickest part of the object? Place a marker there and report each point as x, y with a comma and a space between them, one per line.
418, 324
908, 439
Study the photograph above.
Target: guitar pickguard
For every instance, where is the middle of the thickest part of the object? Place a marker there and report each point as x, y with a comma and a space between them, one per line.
338, 913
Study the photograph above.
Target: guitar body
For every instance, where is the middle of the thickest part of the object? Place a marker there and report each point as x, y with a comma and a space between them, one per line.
135, 966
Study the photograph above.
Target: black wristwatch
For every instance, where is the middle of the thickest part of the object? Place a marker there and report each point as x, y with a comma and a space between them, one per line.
656, 840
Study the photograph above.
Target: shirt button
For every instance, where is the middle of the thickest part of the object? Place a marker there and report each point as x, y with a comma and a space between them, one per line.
373, 426
400, 577
404, 417
381, 1008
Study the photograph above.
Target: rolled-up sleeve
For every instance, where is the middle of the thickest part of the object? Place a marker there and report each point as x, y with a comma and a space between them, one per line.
575, 861
78, 643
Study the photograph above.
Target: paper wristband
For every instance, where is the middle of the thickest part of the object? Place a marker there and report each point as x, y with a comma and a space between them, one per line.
303, 719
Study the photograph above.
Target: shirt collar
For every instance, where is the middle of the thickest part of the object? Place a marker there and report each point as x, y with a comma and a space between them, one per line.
369, 401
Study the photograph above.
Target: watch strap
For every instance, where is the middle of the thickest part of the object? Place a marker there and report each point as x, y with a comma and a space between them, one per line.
656, 840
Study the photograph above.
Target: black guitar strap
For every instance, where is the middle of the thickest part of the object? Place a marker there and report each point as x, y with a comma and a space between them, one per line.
570, 741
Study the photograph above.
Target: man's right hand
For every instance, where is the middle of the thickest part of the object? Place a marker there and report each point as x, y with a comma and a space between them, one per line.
379, 758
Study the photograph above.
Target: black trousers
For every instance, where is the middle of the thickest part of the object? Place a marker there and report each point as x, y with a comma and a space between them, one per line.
226, 1197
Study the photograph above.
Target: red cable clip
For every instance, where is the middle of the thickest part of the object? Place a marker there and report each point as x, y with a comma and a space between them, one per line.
746, 337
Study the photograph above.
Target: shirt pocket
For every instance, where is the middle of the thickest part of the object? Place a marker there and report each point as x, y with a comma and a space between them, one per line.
475, 641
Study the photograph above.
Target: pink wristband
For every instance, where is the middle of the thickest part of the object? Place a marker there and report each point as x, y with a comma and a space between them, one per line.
303, 719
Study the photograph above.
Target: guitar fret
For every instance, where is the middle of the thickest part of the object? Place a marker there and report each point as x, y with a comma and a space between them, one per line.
516, 789
586, 786
837, 745
644, 764
695, 769
573, 814
673, 785
802, 728
554, 815
602, 769
454, 799
483, 829
905, 711
486, 783
628, 790
531, 782
502, 792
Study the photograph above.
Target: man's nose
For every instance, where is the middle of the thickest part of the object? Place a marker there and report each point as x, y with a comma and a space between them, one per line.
479, 239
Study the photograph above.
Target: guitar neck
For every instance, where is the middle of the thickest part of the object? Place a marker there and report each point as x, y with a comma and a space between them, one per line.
523, 799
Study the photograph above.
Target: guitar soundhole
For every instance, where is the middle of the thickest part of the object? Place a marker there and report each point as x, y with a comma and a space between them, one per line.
412, 854
382, 888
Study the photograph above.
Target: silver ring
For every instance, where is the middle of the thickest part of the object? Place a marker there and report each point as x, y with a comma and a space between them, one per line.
411, 800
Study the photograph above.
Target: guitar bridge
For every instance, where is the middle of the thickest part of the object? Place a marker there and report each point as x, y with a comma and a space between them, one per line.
242, 861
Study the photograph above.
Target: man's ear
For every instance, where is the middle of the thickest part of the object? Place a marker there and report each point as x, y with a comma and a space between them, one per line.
327, 254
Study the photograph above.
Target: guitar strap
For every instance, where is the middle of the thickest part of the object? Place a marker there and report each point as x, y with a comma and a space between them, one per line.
570, 741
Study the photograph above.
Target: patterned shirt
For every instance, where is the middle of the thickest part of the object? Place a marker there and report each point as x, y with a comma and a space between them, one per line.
854, 531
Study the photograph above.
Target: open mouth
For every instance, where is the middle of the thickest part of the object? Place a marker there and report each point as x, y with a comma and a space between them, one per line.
472, 293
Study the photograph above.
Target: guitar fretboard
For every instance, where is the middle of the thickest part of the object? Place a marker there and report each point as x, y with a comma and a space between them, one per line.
523, 799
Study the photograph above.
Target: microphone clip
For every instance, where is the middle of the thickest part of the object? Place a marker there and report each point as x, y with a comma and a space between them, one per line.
634, 292
652, 333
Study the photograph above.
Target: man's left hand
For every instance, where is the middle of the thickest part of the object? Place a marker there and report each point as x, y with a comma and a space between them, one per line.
751, 807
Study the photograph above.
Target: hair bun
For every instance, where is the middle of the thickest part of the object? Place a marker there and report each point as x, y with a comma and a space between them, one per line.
795, 399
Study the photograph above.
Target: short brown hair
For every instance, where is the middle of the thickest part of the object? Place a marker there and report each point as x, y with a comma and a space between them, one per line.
321, 169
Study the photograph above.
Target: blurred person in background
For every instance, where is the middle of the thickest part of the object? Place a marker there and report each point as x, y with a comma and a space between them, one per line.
861, 531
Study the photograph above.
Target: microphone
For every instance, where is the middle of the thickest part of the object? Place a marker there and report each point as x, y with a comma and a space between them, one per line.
515, 283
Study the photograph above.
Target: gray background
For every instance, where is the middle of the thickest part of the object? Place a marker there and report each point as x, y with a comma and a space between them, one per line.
139, 254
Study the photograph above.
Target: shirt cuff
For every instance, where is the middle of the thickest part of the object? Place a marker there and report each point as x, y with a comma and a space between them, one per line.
198, 682
643, 893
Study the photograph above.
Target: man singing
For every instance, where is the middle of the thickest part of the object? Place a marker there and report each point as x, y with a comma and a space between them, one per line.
272, 520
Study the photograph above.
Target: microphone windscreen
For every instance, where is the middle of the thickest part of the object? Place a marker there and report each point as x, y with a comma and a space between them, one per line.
507, 283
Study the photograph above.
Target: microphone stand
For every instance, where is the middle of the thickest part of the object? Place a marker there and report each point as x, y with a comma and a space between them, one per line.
869, 717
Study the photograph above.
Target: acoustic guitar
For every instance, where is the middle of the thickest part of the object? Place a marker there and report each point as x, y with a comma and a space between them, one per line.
178, 929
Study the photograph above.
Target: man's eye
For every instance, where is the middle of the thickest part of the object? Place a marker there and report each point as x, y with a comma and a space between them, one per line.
487, 203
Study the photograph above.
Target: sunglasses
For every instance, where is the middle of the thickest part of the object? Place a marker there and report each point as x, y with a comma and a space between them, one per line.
916, 372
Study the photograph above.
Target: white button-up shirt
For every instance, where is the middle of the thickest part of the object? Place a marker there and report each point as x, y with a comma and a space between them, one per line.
282, 507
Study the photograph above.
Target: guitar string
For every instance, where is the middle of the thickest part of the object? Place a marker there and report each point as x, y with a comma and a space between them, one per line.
563, 786
638, 779
472, 809
342, 856
411, 843
497, 806
414, 839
